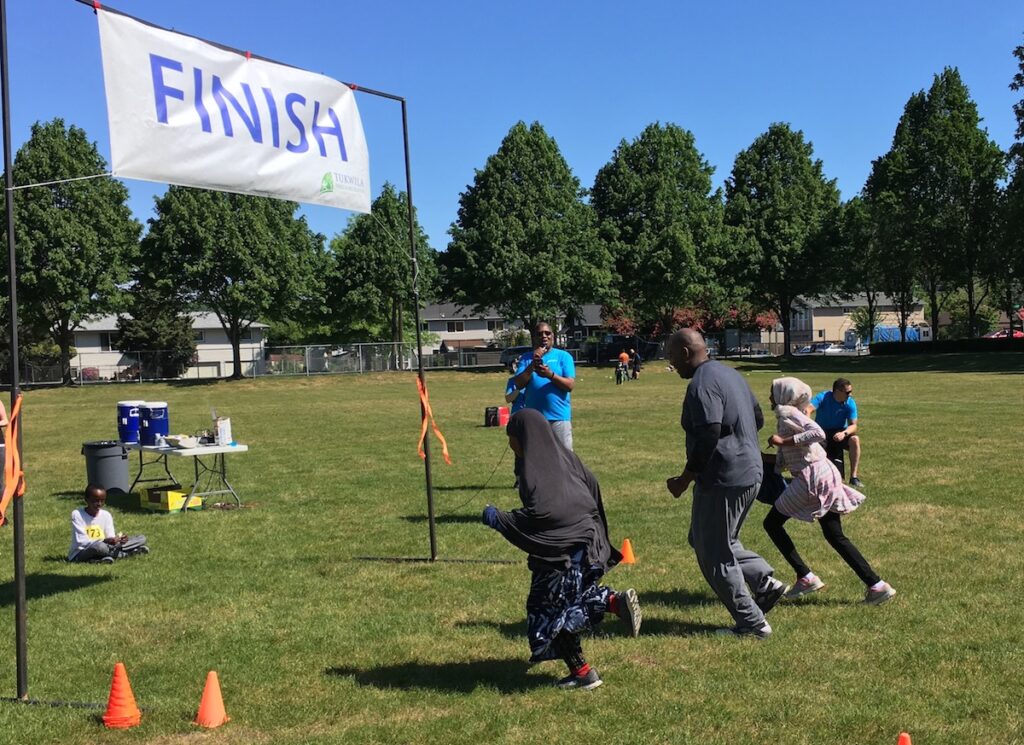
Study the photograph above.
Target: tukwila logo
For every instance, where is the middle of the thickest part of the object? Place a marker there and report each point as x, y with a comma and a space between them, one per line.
327, 183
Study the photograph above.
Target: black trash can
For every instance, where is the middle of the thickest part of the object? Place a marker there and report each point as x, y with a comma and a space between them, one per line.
106, 465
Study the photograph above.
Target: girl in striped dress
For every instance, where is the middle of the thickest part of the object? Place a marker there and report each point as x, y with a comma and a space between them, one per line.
817, 492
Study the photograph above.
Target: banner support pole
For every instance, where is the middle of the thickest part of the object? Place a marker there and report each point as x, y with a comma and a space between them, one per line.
17, 504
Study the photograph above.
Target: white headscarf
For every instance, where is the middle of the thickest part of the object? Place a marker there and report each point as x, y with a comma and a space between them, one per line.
790, 392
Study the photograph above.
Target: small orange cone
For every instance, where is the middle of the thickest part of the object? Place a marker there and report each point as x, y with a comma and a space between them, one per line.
211, 706
903, 739
122, 712
627, 553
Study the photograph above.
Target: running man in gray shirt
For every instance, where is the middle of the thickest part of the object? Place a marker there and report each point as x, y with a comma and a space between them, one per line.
721, 419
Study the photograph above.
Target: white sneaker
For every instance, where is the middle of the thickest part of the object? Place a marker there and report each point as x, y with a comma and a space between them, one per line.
805, 586
883, 594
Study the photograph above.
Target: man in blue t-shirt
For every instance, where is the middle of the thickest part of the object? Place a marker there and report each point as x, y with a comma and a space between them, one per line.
836, 413
548, 377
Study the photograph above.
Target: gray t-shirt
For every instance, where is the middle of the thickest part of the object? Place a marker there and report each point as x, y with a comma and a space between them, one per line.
719, 394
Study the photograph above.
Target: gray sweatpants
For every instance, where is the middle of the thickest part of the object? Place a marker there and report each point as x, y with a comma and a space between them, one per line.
98, 549
563, 431
715, 522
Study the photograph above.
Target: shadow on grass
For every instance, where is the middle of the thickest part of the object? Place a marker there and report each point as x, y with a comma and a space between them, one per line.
665, 627
681, 598
119, 500
967, 362
506, 676
42, 585
443, 518
470, 487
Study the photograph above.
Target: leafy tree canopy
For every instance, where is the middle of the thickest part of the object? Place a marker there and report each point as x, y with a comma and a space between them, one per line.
75, 240
524, 241
371, 279
244, 258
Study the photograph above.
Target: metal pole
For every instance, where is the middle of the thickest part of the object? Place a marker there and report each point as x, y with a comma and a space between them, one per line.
20, 613
419, 342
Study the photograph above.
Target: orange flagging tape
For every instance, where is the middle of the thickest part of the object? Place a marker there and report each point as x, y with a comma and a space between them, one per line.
14, 477
428, 414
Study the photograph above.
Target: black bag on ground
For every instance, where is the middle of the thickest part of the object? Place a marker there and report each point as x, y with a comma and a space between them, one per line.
491, 416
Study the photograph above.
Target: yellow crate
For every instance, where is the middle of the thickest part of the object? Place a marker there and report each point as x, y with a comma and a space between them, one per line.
168, 500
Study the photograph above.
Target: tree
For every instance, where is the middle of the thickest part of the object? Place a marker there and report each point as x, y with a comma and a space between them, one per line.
859, 248
1008, 279
157, 327
778, 193
897, 256
663, 225
244, 258
370, 283
524, 242
944, 173
75, 240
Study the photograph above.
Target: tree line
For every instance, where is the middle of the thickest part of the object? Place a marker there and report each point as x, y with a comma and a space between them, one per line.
940, 217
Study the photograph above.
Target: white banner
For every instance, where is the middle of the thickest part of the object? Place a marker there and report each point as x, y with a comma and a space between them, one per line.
187, 112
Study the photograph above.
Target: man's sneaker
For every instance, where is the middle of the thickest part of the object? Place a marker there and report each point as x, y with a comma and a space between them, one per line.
583, 682
629, 610
856, 482
759, 632
805, 586
105, 560
883, 594
767, 598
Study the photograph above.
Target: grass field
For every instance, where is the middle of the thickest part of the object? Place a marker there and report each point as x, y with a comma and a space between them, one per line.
315, 645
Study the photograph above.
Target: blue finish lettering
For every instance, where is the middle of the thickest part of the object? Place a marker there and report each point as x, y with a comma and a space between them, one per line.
162, 91
335, 130
204, 115
222, 96
289, 102
275, 130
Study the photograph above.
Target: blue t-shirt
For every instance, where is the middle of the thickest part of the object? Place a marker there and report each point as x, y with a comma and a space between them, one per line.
519, 402
542, 394
830, 414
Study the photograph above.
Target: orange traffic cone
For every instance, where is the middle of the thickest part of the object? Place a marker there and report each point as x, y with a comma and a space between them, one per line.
211, 706
122, 712
903, 739
627, 553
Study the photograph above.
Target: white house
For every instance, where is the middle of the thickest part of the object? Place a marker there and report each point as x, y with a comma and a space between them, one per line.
98, 357
460, 328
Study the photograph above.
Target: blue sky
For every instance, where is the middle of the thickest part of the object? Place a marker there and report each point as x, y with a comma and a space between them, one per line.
592, 73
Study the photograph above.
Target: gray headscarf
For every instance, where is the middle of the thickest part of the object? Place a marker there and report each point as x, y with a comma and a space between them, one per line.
562, 508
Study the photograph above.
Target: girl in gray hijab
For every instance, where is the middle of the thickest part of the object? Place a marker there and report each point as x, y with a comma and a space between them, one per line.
562, 526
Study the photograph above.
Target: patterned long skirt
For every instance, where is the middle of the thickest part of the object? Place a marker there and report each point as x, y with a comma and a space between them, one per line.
563, 601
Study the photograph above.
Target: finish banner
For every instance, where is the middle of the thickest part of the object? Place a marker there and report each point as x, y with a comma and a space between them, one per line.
185, 111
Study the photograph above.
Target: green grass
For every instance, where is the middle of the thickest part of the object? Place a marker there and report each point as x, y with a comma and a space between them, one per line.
313, 645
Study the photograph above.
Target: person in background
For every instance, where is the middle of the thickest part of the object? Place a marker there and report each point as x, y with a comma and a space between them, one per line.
836, 414
93, 537
3, 446
622, 370
637, 363
563, 528
721, 419
817, 492
516, 398
549, 376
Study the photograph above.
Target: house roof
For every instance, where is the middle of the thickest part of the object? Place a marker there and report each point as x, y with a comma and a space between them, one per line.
853, 301
450, 311
199, 321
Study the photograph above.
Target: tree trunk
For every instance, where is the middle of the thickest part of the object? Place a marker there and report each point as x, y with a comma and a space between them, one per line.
933, 300
64, 342
236, 351
785, 318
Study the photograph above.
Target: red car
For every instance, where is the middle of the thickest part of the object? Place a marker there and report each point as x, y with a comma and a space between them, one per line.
1004, 333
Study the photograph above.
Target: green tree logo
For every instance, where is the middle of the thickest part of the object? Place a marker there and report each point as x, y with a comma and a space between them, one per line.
327, 183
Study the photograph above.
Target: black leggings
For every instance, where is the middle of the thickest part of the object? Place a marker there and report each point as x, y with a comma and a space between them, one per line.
832, 528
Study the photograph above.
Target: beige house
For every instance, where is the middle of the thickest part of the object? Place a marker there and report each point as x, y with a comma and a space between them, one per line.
98, 357
828, 320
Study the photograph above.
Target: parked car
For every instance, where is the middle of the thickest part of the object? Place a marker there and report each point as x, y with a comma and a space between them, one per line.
1003, 334
510, 356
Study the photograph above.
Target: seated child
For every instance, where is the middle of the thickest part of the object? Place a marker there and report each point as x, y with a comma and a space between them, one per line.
92, 533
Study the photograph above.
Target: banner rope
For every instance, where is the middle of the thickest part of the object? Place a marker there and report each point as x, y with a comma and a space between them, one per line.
61, 181
14, 477
428, 414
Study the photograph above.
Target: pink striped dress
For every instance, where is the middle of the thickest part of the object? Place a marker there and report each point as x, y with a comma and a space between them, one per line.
817, 487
